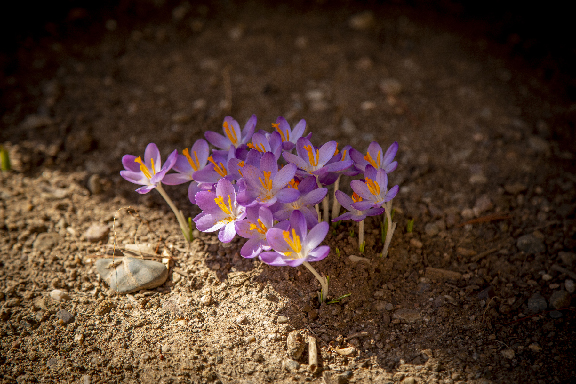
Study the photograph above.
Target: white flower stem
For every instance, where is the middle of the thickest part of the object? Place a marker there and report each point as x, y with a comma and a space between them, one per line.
360, 234
179, 215
325, 205
335, 202
391, 227
323, 281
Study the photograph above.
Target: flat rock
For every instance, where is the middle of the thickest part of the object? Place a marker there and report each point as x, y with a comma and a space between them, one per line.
46, 241
560, 299
59, 295
97, 232
126, 275
295, 344
408, 315
64, 317
537, 303
442, 274
530, 244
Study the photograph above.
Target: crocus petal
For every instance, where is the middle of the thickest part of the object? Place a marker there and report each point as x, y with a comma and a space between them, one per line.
390, 153
314, 197
227, 233
217, 140
202, 150
358, 159
361, 189
298, 131
375, 152
273, 258
293, 159
363, 205
326, 152
175, 178
225, 188
248, 130
135, 177
193, 189
284, 176
268, 163
319, 253
317, 235
298, 223
251, 248
205, 201
152, 152
391, 193
337, 166
129, 163
275, 238
145, 189
344, 216
287, 195
207, 223
294, 262
344, 200
182, 165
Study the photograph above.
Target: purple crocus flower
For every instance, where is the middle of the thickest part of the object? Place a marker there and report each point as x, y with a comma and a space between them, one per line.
254, 228
314, 161
289, 136
218, 167
220, 211
296, 245
374, 157
267, 142
265, 185
374, 189
149, 172
353, 213
310, 195
186, 165
234, 138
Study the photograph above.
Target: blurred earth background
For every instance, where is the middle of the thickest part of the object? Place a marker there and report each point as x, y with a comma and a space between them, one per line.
481, 98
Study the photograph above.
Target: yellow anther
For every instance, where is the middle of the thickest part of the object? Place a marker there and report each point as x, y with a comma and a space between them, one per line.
266, 183
336, 151
231, 133
356, 198
194, 163
294, 183
227, 209
261, 228
144, 169
373, 187
375, 164
277, 128
258, 147
293, 242
343, 155
311, 159
218, 168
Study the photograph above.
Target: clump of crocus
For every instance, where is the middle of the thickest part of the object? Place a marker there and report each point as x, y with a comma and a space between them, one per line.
252, 185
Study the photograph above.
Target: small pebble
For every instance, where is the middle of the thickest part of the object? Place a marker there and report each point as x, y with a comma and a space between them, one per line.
97, 232
64, 317
79, 338
537, 303
530, 244
508, 353
86, 379
241, 319
59, 295
483, 204
560, 299
206, 300
416, 243
409, 380
250, 339
546, 277
46, 241
282, 320
12, 303
291, 365
295, 344
534, 347
567, 258
569, 284
95, 184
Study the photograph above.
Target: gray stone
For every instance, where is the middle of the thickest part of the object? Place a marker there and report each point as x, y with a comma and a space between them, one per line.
282, 320
567, 258
530, 244
391, 86
442, 274
508, 353
295, 344
431, 229
128, 274
291, 365
95, 184
560, 299
569, 284
64, 317
408, 315
483, 204
59, 295
409, 380
537, 303
97, 232
46, 241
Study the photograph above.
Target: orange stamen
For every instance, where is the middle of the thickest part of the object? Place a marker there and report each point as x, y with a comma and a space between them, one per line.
258, 147
356, 198
144, 169
277, 128
373, 187
266, 183
231, 133
294, 183
218, 168
195, 164
227, 209
293, 242
375, 164
261, 228
311, 159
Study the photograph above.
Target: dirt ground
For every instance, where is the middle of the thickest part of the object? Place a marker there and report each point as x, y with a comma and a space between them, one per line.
480, 292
